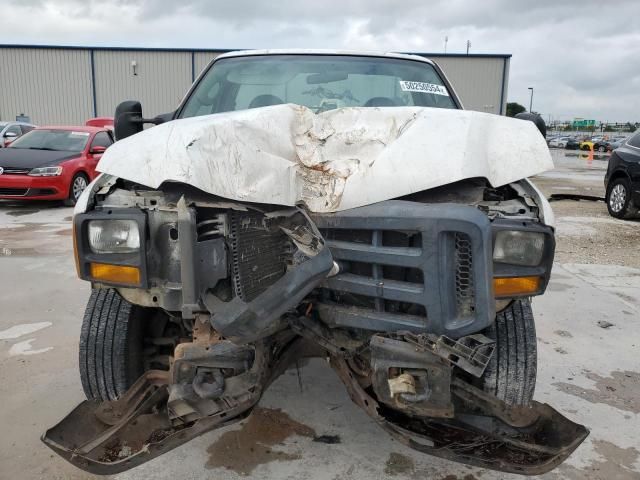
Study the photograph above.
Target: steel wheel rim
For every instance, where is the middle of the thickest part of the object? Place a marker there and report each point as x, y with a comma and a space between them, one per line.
617, 198
79, 184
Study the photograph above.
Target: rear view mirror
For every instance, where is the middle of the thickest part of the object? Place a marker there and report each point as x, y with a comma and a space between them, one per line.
326, 77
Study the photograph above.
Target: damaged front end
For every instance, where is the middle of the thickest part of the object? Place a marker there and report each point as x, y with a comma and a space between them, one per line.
401, 297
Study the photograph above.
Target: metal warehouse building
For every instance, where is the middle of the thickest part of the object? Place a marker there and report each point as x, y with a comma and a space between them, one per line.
67, 85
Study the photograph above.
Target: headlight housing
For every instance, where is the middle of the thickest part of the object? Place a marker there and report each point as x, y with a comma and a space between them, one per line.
518, 247
113, 236
46, 171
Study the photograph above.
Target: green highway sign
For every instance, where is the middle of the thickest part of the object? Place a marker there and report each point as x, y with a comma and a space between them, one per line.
582, 123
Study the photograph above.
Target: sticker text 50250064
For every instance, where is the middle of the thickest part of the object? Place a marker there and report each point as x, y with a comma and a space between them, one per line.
423, 87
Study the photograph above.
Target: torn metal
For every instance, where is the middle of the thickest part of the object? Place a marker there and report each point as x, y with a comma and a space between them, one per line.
332, 161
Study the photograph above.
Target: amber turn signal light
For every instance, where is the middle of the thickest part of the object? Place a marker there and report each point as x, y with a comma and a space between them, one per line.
515, 286
115, 273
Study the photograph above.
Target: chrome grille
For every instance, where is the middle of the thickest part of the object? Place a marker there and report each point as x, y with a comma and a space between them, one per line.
15, 171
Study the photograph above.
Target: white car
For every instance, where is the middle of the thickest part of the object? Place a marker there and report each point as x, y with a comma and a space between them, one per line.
10, 131
559, 142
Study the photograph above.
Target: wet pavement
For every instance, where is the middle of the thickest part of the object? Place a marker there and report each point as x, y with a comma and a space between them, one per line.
588, 328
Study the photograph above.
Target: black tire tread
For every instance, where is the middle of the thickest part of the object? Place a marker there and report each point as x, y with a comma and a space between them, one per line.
110, 345
511, 373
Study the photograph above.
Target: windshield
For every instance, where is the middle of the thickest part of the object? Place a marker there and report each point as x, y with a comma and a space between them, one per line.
319, 82
3, 124
59, 140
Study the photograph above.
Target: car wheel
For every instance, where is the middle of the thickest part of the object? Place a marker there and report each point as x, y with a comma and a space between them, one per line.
618, 198
110, 345
511, 372
602, 148
78, 183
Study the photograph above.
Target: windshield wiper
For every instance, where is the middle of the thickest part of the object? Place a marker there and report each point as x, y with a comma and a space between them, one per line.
43, 148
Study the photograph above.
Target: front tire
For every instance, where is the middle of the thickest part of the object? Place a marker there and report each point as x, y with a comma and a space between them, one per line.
618, 198
111, 345
511, 373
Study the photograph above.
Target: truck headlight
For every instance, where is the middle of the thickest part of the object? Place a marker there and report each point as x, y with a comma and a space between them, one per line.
113, 236
519, 247
46, 172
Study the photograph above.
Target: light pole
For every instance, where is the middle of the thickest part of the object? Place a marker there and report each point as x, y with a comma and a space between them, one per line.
531, 99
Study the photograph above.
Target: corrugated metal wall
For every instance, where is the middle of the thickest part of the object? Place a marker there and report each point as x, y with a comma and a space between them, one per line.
158, 81
69, 85
53, 86
202, 59
478, 81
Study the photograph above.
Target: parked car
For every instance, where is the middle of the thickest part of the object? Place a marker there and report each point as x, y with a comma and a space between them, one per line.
586, 145
622, 180
617, 142
52, 163
559, 142
106, 122
605, 145
221, 248
572, 144
10, 131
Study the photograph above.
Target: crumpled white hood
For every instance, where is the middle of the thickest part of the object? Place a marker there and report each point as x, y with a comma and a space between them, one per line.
336, 160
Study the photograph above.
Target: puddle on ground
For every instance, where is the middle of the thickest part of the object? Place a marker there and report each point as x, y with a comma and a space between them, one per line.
398, 464
621, 390
18, 252
615, 463
243, 450
31, 239
20, 213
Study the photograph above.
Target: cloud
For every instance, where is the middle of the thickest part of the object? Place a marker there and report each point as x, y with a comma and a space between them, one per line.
579, 55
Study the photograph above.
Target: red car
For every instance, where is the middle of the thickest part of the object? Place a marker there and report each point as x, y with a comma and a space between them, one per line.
52, 163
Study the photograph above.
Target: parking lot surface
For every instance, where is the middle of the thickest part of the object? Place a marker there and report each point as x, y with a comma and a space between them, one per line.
588, 340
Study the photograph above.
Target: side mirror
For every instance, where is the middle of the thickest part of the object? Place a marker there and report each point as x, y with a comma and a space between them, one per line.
97, 150
535, 118
10, 135
128, 119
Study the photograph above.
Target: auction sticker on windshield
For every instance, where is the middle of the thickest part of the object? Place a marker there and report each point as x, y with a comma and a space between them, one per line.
423, 87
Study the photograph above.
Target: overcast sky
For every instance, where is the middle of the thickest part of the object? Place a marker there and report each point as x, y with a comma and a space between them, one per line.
582, 57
